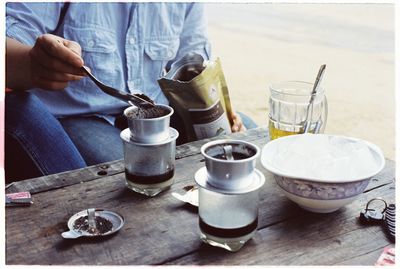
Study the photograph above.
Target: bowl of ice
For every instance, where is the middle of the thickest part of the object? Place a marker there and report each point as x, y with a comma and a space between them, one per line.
321, 172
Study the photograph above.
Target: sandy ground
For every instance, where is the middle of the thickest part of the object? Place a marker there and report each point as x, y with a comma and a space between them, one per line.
263, 43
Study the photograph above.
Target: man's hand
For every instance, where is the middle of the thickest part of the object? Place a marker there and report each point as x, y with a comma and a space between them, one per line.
54, 62
237, 125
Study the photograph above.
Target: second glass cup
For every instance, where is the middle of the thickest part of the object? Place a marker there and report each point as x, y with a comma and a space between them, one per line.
229, 187
288, 104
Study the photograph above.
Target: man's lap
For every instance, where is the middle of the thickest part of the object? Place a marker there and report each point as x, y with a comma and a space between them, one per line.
96, 139
39, 136
65, 144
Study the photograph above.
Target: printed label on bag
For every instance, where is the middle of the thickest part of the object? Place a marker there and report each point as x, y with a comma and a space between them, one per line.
210, 122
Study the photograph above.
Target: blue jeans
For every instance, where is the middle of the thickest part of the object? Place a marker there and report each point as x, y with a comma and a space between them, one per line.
37, 143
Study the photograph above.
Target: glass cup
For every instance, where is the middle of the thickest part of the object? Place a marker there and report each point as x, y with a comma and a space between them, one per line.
288, 104
229, 188
228, 220
149, 167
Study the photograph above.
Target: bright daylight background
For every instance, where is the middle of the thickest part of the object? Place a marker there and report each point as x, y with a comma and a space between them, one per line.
263, 43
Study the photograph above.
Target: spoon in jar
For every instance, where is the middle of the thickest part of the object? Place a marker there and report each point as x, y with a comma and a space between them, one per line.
228, 152
307, 121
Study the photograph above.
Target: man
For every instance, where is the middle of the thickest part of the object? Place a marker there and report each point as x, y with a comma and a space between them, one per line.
57, 119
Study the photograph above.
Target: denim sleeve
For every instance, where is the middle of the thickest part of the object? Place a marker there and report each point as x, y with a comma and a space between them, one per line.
194, 37
26, 21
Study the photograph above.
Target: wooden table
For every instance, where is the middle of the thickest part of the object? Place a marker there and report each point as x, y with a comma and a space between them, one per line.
162, 230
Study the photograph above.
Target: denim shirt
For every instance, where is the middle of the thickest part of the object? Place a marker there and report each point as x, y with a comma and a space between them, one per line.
126, 45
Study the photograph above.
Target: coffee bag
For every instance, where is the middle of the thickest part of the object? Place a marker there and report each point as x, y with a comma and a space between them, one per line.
197, 90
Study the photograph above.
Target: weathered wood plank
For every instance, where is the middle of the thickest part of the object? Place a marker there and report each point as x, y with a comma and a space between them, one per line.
258, 136
60, 180
158, 230
150, 235
55, 181
308, 239
368, 258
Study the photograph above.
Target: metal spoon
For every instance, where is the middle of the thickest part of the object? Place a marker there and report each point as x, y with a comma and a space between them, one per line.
92, 220
228, 152
307, 121
139, 100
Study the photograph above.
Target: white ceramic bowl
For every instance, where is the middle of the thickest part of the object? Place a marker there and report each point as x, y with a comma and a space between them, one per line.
320, 172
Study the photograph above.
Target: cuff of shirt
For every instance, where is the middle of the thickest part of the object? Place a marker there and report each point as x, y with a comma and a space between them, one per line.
18, 31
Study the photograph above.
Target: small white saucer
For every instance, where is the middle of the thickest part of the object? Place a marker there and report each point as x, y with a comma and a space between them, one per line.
116, 220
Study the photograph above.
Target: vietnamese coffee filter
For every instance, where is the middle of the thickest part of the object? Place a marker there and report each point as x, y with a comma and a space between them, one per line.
149, 125
235, 174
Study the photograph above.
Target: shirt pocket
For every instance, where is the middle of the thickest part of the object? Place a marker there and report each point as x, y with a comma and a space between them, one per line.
159, 53
100, 54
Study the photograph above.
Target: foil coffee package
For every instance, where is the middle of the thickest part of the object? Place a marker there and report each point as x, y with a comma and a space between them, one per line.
197, 90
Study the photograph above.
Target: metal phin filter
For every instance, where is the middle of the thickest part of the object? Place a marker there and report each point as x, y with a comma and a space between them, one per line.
149, 149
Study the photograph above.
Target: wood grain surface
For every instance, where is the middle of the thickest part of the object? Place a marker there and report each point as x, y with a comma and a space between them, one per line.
163, 230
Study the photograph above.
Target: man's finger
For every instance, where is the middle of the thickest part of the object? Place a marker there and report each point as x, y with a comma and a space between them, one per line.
54, 46
48, 84
237, 125
74, 46
41, 57
52, 75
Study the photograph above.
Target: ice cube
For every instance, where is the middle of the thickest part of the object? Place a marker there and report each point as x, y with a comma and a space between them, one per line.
325, 157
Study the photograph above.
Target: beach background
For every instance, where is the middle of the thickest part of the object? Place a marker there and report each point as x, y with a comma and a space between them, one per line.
262, 43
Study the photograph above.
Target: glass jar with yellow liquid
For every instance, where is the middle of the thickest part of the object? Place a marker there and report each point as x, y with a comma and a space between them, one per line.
288, 104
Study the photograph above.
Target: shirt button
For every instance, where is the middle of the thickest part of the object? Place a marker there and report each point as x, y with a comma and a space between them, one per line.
91, 43
132, 40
